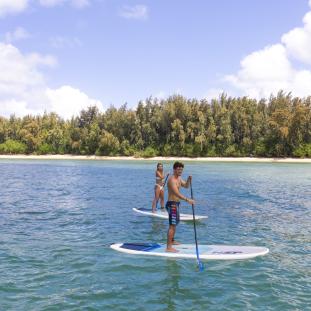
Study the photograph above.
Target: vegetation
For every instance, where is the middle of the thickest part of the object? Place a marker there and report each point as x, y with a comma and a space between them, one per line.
277, 127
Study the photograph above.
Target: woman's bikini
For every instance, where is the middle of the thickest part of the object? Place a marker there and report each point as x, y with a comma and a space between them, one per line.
159, 182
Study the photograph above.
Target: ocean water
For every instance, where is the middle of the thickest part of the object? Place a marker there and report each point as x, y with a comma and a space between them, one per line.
58, 218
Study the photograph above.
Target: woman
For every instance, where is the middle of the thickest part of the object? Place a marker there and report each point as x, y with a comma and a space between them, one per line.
158, 188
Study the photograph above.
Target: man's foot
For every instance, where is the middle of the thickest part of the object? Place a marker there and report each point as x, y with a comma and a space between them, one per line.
154, 210
172, 250
176, 243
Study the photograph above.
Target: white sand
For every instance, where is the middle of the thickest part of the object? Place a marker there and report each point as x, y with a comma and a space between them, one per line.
216, 159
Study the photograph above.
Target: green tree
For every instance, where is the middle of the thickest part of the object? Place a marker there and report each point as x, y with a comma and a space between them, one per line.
108, 145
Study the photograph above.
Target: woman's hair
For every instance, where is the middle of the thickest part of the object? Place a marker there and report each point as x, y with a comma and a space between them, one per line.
159, 164
178, 164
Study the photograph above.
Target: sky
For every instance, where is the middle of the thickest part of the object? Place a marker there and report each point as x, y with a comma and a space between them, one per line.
66, 55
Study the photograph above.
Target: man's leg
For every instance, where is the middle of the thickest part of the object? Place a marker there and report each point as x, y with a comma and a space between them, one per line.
173, 221
170, 237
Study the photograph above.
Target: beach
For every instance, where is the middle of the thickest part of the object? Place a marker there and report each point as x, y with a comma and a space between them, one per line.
199, 159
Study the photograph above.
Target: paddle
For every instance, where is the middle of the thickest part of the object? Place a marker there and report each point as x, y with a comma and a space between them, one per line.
200, 264
168, 174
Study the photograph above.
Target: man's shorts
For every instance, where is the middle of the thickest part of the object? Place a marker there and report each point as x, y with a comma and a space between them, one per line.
172, 208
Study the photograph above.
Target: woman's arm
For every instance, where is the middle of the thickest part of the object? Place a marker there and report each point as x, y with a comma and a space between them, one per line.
158, 174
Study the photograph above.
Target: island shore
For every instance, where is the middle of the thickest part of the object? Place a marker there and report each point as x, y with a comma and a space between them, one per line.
199, 159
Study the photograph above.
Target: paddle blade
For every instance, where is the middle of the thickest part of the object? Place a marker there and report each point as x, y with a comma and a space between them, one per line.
200, 266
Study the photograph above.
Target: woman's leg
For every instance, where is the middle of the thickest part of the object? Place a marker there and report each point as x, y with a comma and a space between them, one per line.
156, 198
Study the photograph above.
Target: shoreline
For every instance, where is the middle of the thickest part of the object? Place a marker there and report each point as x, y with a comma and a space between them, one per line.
122, 158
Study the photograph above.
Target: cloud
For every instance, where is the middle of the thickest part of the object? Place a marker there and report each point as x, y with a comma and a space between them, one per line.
18, 34
19, 72
17, 6
59, 42
68, 101
51, 3
79, 4
160, 95
266, 71
298, 41
134, 12
263, 72
13, 106
24, 90
12, 6
213, 93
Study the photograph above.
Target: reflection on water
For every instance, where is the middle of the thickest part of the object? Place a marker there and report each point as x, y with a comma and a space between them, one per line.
172, 288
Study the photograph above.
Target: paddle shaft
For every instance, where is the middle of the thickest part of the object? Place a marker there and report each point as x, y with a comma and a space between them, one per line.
165, 180
195, 231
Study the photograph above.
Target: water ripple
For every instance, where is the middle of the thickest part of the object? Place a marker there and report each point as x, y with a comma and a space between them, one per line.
58, 218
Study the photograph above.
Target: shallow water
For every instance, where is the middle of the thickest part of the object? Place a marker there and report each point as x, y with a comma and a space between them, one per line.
58, 218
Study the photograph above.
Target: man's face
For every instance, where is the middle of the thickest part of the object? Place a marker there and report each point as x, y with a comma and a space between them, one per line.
179, 171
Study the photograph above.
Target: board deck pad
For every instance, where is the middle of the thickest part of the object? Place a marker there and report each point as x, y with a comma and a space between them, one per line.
207, 252
162, 213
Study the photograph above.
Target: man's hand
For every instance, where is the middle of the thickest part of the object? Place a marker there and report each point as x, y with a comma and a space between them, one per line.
190, 201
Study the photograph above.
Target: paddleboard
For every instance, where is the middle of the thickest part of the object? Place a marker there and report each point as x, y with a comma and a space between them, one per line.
207, 252
162, 213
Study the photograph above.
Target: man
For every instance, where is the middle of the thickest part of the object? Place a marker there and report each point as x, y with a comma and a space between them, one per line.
172, 205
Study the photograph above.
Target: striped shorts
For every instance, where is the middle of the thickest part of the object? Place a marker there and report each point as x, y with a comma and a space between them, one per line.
172, 208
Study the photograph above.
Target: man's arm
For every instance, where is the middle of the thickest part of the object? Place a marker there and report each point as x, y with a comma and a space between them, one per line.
174, 189
186, 184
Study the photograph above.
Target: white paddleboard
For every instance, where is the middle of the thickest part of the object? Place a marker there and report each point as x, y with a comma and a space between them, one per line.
162, 213
207, 252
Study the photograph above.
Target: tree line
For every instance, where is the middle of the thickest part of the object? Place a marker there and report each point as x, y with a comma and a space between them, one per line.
228, 126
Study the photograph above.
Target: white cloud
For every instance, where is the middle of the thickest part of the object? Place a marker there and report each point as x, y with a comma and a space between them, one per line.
17, 6
298, 41
213, 93
79, 4
23, 87
75, 3
51, 3
46, 60
19, 108
271, 69
263, 72
134, 12
18, 72
161, 95
18, 34
68, 101
60, 42
12, 6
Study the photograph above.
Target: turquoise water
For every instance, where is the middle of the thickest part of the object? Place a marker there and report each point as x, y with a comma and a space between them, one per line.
57, 219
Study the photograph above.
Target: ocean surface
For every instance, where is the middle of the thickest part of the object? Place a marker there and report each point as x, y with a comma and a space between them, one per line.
58, 218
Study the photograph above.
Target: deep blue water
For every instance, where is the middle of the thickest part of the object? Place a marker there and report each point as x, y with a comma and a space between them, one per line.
57, 219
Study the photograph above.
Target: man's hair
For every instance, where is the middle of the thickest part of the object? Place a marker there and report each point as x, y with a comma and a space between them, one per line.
177, 165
